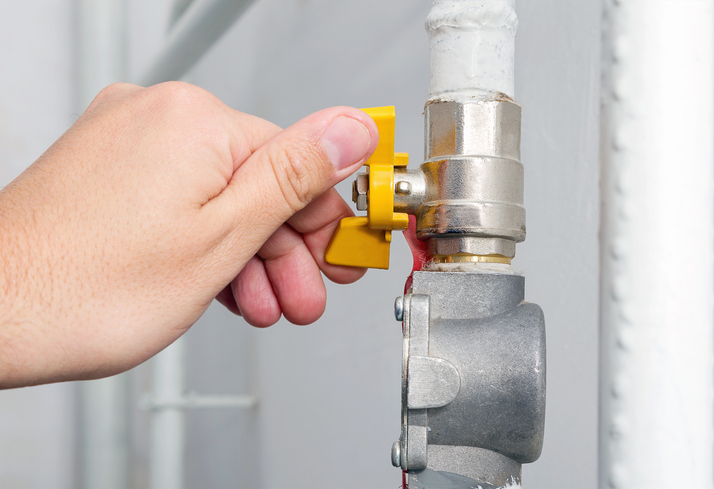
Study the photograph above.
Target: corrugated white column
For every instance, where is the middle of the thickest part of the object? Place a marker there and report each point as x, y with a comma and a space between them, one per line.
102, 61
657, 248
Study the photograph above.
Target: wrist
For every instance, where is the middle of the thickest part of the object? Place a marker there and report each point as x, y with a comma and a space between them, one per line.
9, 262
16, 319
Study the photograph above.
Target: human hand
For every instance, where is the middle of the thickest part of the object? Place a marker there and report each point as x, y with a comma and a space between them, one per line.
155, 202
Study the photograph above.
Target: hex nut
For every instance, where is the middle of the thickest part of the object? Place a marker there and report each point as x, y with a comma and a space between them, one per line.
359, 191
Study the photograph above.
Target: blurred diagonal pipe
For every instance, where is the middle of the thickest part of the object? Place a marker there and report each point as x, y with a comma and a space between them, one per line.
200, 25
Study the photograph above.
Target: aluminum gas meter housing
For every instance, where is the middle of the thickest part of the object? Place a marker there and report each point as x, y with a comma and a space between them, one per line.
473, 379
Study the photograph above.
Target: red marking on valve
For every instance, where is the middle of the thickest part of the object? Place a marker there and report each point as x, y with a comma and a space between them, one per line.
418, 249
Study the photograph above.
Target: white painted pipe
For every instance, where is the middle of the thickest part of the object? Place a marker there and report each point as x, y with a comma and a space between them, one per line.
168, 432
192, 400
657, 245
472, 46
104, 403
102, 46
198, 28
105, 433
195, 25
167, 440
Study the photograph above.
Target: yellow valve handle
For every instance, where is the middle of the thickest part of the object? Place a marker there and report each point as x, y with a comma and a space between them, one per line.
364, 241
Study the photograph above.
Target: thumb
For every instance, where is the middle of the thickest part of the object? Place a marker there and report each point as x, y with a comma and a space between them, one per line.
295, 167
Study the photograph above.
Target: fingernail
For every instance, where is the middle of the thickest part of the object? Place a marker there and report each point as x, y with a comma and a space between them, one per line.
346, 141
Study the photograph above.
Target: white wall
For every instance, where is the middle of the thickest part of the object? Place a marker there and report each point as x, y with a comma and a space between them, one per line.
558, 83
330, 392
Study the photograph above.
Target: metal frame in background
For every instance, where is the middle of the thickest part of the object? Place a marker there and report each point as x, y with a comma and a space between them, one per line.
195, 27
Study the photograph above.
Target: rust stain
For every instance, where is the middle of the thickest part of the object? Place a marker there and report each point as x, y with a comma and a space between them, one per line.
491, 97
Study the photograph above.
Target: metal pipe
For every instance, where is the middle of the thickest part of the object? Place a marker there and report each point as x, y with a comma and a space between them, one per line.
168, 403
657, 245
195, 25
102, 46
105, 433
472, 46
168, 432
192, 400
473, 365
177, 10
200, 26
102, 41
473, 208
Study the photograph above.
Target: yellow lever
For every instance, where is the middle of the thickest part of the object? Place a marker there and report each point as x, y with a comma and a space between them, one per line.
364, 241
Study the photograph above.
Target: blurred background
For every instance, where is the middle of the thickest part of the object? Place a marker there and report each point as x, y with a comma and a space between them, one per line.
318, 406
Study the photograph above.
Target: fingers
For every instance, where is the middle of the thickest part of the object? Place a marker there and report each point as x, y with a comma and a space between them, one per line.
254, 295
317, 222
295, 276
289, 281
282, 278
291, 170
226, 298
283, 179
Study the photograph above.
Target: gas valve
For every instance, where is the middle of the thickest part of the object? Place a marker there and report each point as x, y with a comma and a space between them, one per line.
473, 360
364, 241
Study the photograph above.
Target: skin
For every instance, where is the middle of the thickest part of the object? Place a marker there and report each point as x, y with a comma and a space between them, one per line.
155, 202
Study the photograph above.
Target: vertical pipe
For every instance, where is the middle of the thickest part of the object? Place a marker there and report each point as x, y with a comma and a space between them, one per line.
167, 423
102, 45
105, 458
472, 46
474, 210
657, 245
471, 217
104, 403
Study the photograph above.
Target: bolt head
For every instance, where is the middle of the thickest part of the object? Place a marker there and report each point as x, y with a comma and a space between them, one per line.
396, 454
403, 188
399, 308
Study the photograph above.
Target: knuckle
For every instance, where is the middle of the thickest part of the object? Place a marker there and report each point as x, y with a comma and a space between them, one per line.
113, 92
177, 94
295, 173
189, 109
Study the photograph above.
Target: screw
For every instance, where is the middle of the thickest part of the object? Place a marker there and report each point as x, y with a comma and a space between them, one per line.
399, 308
396, 454
403, 188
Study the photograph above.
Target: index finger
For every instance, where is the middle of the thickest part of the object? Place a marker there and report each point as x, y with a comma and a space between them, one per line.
317, 222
